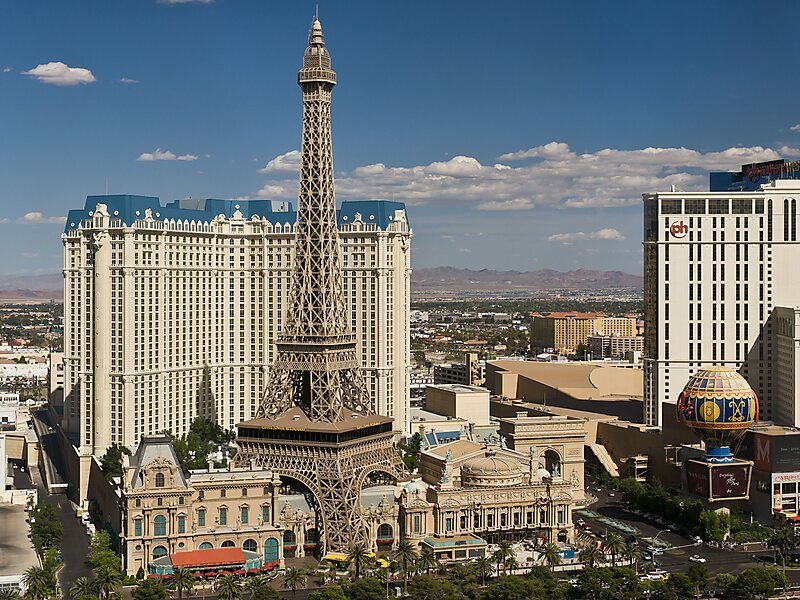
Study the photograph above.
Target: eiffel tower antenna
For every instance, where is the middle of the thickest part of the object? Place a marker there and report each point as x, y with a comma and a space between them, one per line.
316, 392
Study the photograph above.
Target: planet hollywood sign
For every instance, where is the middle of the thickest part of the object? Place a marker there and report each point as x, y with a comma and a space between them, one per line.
767, 169
678, 229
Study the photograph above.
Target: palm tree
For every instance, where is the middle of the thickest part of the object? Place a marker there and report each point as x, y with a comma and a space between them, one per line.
229, 588
39, 582
183, 581
427, 560
405, 553
294, 579
107, 581
590, 555
630, 551
613, 544
82, 586
259, 588
358, 557
551, 555
9, 594
511, 563
484, 566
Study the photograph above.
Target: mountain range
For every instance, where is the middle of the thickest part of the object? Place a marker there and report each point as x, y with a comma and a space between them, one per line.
423, 281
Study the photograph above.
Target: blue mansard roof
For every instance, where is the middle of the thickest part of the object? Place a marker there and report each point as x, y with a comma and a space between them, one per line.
129, 208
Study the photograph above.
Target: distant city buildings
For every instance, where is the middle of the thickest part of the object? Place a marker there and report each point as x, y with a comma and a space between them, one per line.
171, 312
471, 372
564, 332
613, 346
719, 291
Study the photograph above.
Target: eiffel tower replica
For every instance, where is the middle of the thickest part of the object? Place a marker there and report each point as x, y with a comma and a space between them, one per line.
316, 423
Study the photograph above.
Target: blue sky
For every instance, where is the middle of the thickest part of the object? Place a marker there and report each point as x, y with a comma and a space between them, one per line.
520, 134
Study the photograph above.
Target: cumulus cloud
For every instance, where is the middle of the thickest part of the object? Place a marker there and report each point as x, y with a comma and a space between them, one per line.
795, 127
160, 154
603, 234
128, 80
57, 73
38, 218
283, 163
7, 70
548, 175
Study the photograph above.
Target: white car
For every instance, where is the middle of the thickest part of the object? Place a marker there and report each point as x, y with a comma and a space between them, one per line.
697, 558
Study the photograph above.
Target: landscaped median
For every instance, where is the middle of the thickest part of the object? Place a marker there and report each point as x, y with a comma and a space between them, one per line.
619, 525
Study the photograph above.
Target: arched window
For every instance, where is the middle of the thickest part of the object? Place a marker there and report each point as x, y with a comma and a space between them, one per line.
206, 546
250, 546
270, 550
289, 538
159, 551
228, 544
312, 536
159, 480
552, 463
160, 525
385, 532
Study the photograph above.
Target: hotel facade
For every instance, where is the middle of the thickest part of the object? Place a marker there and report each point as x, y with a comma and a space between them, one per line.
719, 290
171, 312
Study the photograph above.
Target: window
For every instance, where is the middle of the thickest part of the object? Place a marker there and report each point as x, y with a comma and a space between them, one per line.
250, 546
159, 480
201, 517
181, 524
271, 550
417, 523
159, 551
265, 513
223, 516
245, 514
206, 546
228, 544
160, 525
244, 491
222, 493
137, 527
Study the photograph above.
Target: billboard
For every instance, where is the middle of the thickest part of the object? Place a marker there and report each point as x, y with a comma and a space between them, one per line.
728, 481
771, 453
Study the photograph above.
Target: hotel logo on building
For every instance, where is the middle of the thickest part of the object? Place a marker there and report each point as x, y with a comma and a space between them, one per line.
678, 229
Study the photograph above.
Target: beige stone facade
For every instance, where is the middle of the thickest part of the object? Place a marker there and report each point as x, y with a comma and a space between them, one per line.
166, 511
564, 332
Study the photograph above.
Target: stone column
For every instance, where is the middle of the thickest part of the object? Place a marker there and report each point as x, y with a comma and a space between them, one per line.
102, 344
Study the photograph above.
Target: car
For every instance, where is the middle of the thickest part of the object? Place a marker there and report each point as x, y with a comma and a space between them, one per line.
611, 494
598, 490
573, 581
647, 556
697, 558
580, 521
698, 539
657, 574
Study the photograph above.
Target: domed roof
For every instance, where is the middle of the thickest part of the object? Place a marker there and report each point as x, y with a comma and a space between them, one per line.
491, 464
415, 486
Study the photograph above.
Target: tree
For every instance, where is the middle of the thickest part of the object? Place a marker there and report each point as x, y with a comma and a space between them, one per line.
330, 592
427, 560
260, 589
405, 554
9, 594
613, 544
182, 580
150, 589
503, 553
40, 583
714, 526
722, 583
101, 556
295, 579
680, 585
46, 529
590, 556
107, 581
608, 582
784, 540
111, 463
82, 587
368, 588
757, 582
358, 558
698, 575
228, 588
429, 588
551, 555
484, 566
631, 552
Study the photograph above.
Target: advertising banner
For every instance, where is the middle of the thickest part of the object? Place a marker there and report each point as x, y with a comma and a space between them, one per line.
729, 481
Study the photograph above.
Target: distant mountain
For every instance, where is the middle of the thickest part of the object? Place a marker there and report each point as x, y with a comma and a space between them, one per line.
450, 279
31, 287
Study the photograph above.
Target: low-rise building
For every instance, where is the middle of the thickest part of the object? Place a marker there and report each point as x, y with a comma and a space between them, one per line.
614, 346
467, 402
470, 372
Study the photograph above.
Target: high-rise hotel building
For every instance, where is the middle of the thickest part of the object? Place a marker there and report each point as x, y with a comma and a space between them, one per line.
171, 312
719, 273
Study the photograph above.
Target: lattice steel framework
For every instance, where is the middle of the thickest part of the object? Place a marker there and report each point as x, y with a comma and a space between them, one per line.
337, 443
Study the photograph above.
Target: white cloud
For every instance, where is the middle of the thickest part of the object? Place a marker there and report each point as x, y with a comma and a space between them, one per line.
7, 70
37, 218
603, 234
57, 73
795, 127
128, 80
788, 150
283, 163
548, 175
164, 155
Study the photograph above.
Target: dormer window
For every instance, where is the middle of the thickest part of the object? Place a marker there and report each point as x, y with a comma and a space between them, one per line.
159, 480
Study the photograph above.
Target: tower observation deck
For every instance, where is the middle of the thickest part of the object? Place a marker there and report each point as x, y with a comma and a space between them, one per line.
316, 423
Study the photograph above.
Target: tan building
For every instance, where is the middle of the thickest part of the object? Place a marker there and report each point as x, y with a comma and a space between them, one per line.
171, 311
467, 489
470, 372
467, 402
166, 511
565, 331
614, 346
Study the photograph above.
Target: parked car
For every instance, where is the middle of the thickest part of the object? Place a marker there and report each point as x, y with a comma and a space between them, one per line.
697, 558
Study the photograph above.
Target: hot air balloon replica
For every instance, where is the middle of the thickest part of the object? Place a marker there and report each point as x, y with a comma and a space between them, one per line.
719, 405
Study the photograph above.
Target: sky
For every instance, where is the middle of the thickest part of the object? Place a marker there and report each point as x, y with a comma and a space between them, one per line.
520, 134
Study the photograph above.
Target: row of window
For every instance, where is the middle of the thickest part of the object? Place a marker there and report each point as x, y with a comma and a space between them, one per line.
160, 521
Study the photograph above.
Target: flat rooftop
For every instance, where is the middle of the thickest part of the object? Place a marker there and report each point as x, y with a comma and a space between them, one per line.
459, 388
16, 550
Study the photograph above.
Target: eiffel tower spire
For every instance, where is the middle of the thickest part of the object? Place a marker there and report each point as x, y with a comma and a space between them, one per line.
316, 424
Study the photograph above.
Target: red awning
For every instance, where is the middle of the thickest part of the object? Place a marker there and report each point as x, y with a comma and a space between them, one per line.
211, 557
225, 573
252, 570
197, 575
154, 576
212, 574
240, 572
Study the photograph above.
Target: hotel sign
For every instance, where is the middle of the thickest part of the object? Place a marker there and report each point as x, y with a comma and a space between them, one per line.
771, 168
678, 229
